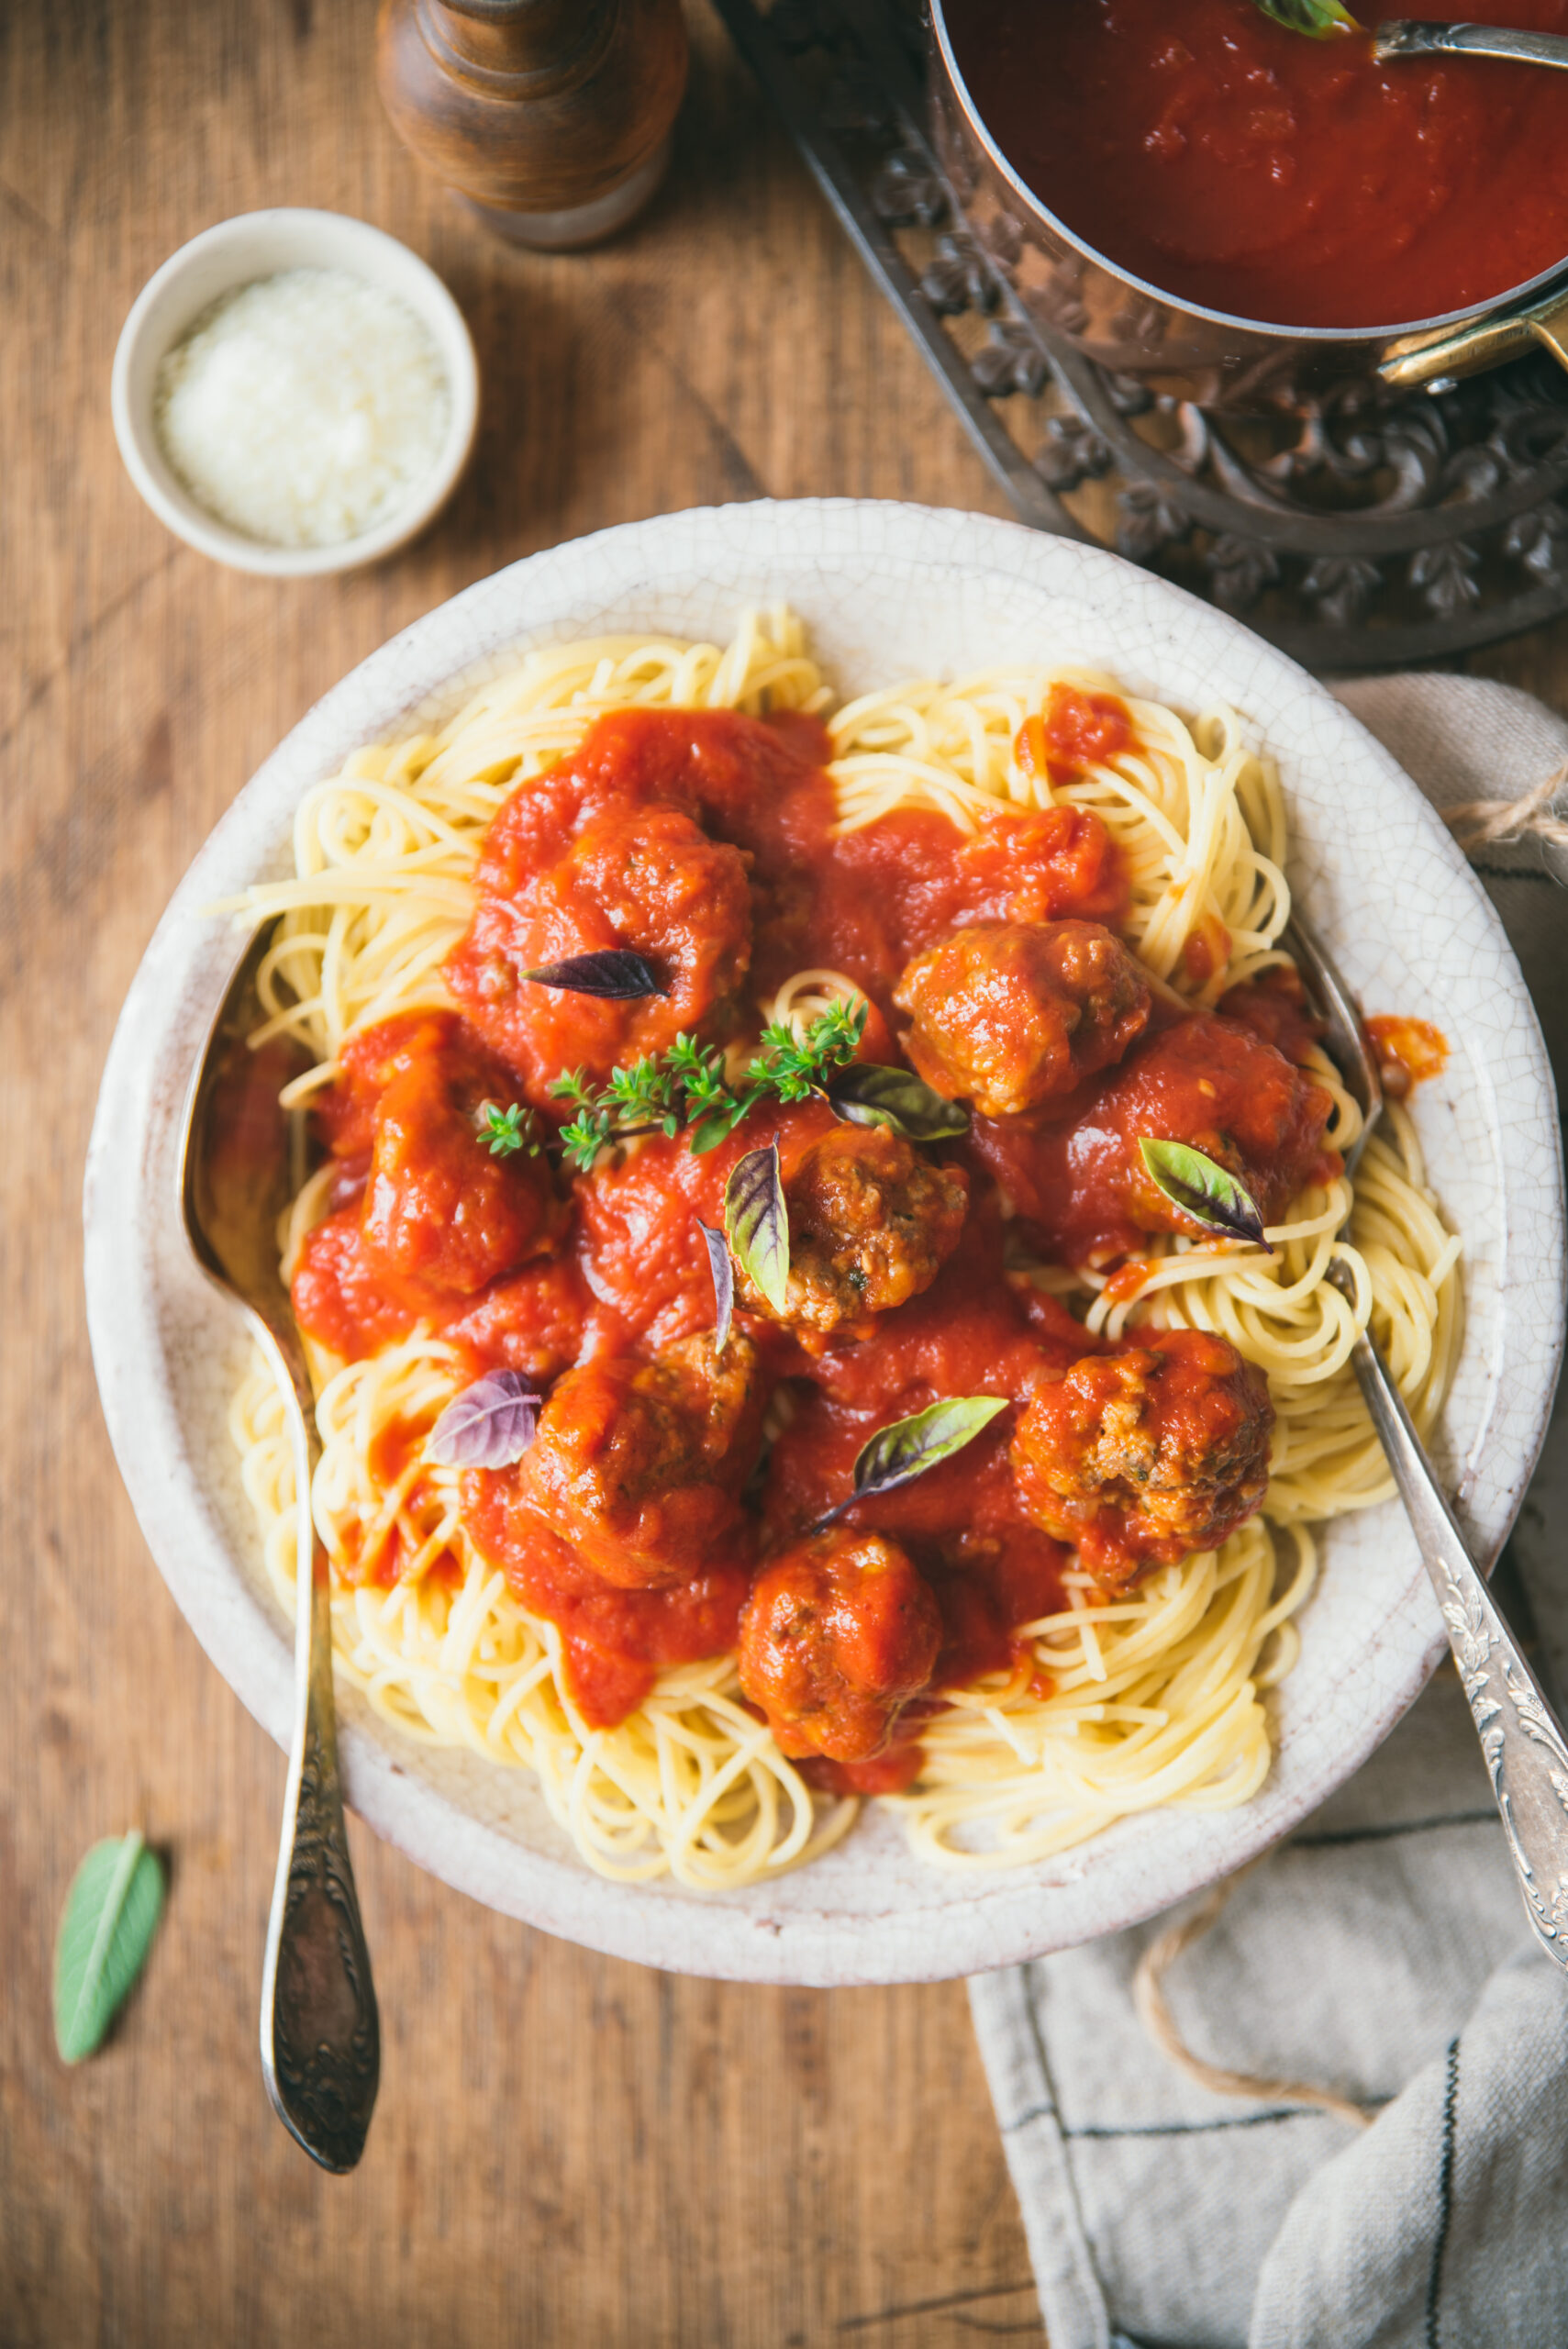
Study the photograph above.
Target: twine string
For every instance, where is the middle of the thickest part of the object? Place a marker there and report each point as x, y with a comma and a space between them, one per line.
1500, 823
1154, 2013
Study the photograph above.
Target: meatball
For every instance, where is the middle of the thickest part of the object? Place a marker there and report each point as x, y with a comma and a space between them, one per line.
639, 1465
871, 1223
1144, 1455
638, 1217
840, 1633
442, 1216
338, 1296
538, 1321
644, 877
1078, 1184
1010, 1015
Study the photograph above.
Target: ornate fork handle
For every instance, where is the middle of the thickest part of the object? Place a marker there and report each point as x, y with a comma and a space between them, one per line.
320, 2030
1526, 1752
1407, 37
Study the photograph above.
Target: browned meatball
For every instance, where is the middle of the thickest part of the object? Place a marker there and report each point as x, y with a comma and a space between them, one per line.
648, 878
442, 1214
1010, 1015
639, 1465
840, 1633
870, 1224
1143, 1455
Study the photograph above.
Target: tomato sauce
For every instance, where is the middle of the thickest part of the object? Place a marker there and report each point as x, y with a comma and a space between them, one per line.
1409, 1051
1240, 166
972, 1332
617, 1641
524, 1264
1275, 1007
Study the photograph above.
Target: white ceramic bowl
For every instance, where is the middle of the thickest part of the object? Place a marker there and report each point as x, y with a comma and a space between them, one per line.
236, 252
886, 591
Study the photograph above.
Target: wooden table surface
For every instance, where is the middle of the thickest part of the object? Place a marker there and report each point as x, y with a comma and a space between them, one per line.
568, 2150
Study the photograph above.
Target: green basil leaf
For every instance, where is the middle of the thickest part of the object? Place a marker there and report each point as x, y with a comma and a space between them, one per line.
865, 1093
723, 1283
897, 1454
756, 1222
1318, 19
111, 1913
1207, 1193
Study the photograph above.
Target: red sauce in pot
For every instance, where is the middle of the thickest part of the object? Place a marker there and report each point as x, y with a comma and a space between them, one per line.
1242, 166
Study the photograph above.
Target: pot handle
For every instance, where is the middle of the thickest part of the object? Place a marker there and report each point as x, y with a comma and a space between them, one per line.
1438, 359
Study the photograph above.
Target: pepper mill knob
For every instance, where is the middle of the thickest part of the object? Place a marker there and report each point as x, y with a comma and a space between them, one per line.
551, 117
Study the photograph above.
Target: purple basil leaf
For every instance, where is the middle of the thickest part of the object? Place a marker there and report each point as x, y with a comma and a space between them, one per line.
723, 1282
489, 1425
616, 973
866, 1093
897, 1454
756, 1222
1209, 1194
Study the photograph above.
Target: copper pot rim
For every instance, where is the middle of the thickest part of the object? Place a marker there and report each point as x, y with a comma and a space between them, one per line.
1496, 305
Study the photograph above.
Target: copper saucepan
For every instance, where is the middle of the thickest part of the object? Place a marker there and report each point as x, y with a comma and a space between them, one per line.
1126, 324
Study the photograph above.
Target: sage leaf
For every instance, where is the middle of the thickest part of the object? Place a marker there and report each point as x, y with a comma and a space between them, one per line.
616, 974
897, 1454
1318, 19
111, 1913
865, 1093
1209, 1194
489, 1425
756, 1222
723, 1283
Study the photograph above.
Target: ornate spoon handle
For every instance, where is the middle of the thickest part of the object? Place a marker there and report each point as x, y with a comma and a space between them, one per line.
1524, 1746
1405, 37
320, 2030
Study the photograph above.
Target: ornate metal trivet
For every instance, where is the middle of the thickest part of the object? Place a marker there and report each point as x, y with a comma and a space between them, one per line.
1351, 533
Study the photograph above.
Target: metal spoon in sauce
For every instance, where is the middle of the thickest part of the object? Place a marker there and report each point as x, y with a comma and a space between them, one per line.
1405, 36
1524, 1743
241, 1163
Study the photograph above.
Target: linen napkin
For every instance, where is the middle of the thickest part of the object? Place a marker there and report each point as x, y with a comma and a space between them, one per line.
1382, 1950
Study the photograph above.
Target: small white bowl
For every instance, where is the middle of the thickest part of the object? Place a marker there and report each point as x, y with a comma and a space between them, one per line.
237, 253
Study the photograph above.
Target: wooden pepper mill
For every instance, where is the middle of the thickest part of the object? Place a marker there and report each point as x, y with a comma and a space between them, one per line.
550, 117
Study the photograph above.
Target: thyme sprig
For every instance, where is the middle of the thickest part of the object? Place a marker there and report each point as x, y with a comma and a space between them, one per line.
686, 1088
509, 1130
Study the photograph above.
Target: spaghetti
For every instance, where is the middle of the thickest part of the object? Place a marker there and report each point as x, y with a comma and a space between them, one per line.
1111, 1702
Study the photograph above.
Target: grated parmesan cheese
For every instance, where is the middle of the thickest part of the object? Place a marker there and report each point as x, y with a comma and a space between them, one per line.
304, 408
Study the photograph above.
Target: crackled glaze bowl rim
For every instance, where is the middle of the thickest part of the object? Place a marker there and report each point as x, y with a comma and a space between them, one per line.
867, 1912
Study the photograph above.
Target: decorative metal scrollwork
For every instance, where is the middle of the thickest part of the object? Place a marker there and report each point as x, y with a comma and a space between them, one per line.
1352, 532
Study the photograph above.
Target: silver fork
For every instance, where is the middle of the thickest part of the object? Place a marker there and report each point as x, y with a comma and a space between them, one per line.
1526, 1752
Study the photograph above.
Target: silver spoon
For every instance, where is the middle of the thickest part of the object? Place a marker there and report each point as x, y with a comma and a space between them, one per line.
1407, 37
1525, 1752
239, 1168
